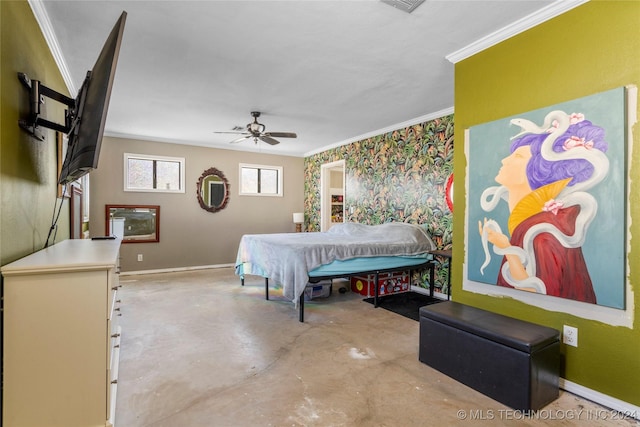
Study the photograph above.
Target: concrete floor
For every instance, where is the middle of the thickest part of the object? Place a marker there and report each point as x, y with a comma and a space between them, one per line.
200, 350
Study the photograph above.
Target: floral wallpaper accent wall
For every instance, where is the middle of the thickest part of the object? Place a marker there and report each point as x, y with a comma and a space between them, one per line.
397, 176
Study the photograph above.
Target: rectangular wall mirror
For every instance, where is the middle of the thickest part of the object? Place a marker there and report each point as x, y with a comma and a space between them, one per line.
133, 223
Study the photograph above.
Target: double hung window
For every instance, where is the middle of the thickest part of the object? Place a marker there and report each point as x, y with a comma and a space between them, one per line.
153, 173
260, 180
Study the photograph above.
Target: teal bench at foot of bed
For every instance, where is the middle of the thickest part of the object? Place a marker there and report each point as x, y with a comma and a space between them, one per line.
429, 264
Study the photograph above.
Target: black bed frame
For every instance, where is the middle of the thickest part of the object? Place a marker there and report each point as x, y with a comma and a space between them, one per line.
316, 279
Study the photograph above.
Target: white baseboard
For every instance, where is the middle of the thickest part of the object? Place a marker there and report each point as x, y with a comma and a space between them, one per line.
626, 409
174, 269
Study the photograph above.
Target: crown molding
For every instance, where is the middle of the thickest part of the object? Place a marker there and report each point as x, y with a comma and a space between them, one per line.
411, 122
548, 12
40, 13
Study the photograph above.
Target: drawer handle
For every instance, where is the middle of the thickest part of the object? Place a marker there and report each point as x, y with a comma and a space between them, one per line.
117, 309
118, 300
114, 381
115, 335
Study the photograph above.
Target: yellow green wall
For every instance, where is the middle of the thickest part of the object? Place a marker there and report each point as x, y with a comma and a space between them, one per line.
28, 167
590, 49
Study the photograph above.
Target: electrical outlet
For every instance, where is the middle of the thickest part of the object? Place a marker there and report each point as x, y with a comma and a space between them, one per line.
139, 257
570, 335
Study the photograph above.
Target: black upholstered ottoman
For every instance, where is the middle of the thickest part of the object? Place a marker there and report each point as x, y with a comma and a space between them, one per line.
510, 360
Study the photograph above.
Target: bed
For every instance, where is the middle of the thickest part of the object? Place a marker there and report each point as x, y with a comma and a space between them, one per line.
294, 260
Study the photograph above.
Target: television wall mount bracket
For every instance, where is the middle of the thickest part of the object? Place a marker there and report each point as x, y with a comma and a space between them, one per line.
37, 93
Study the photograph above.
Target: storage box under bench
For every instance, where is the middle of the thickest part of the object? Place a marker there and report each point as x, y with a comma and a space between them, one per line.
512, 361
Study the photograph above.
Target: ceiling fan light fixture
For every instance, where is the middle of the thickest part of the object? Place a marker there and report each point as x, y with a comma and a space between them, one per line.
255, 127
256, 131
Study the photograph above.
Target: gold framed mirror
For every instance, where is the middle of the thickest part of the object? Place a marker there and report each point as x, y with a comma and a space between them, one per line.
213, 190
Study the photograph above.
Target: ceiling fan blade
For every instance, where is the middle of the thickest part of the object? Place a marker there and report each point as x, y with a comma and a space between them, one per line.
281, 134
266, 138
235, 133
240, 139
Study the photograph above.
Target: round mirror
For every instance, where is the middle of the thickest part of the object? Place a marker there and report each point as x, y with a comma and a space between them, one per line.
213, 190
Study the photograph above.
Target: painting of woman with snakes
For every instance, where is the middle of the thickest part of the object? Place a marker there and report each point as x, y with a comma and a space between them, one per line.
547, 201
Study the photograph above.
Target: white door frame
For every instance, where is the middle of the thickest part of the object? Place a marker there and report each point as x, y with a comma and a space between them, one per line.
325, 187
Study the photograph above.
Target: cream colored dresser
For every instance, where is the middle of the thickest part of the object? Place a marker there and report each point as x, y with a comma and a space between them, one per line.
61, 338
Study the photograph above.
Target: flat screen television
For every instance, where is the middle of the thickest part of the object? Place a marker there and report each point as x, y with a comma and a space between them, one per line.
91, 106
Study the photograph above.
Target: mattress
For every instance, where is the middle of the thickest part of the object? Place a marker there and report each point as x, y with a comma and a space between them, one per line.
351, 266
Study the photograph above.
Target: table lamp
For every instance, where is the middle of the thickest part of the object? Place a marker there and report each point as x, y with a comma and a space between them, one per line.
298, 220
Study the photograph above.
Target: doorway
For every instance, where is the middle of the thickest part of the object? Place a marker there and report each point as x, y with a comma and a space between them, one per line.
332, 183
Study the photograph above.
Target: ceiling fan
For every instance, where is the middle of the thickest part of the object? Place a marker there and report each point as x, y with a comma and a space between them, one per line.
256, 131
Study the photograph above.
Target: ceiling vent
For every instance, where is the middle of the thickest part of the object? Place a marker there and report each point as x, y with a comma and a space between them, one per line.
405, 5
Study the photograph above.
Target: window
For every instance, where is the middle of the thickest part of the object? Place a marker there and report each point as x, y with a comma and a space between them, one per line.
259, 180
153, 173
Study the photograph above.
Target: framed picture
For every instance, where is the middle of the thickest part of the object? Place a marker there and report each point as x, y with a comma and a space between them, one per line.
133, 223
547, 205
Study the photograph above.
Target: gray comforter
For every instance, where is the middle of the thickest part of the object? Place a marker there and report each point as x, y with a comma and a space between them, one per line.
287, 258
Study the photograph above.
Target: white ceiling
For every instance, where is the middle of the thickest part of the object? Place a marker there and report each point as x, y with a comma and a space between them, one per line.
331, 71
